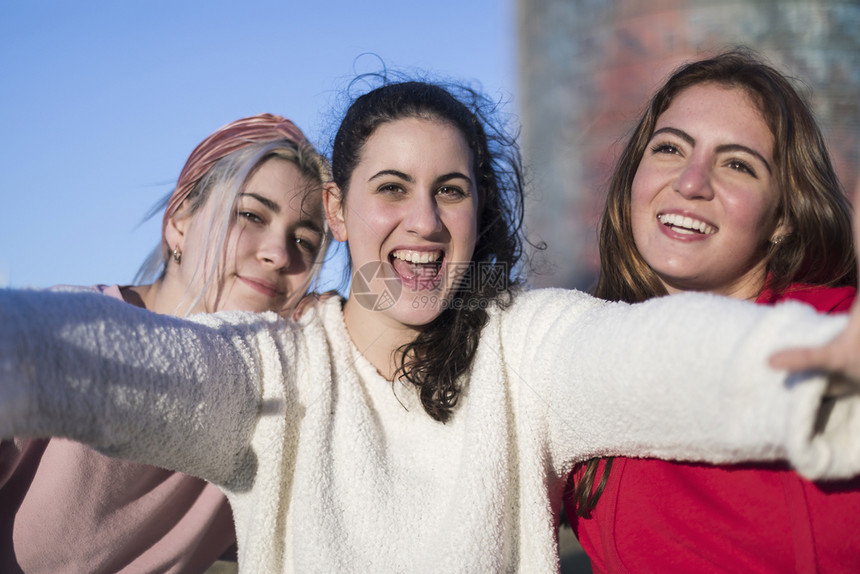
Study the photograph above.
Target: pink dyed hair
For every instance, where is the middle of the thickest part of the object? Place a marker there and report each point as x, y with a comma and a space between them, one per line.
224, 141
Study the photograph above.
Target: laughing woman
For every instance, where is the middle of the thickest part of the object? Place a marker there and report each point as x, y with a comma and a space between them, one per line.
725, 187
428, 422
243, 229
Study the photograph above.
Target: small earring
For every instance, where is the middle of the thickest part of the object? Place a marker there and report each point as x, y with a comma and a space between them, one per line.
177, 254
777, 240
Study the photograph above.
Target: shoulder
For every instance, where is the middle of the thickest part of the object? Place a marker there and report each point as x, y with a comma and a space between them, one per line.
114, 291
549, 301
263, 330
98, 288
236, 318
329, 310
325, 322
253, 335
822, 298
531, 315
556, 303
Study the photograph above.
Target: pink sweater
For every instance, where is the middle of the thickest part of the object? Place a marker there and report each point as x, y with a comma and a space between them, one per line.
67, 508
660, 516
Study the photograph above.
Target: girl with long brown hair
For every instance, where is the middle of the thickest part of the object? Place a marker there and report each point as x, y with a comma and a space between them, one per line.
726, 187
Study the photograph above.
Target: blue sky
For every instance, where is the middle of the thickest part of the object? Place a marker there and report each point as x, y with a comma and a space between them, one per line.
103, 101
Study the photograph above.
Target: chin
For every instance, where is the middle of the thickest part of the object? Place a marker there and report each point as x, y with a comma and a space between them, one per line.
255, 306
414, 309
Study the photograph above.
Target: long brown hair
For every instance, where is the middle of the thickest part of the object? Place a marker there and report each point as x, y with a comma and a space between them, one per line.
817, 251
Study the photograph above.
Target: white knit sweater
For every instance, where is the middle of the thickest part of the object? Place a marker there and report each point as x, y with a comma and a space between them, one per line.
331, 468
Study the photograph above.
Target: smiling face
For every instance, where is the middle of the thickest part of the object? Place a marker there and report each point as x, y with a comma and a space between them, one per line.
704, 198
271, 244
410, 216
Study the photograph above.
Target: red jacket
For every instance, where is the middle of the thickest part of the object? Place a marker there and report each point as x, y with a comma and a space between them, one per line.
659, 516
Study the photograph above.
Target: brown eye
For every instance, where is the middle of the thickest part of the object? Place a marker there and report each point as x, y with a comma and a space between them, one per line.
742, 167
250, 216
664, 148
391, 188
451, 191
307, 246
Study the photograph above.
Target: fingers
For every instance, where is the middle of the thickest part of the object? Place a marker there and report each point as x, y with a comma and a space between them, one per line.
309, 301
839, 357
328, 295
857, 220
306, 303
800, 359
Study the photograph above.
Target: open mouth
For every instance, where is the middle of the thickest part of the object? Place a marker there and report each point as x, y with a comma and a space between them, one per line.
418, 270
686, 225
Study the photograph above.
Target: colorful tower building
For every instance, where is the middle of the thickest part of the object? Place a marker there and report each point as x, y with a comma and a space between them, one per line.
587, 67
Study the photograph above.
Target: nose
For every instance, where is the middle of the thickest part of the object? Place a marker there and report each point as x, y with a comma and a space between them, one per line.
273, 251
422, 215
694, 181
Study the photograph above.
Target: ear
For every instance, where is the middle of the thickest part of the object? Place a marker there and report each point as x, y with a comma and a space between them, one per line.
782, 229
333, 202
174, 232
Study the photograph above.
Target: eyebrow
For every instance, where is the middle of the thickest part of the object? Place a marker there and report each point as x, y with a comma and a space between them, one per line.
275, 208
408, 178
264, 200
720, 149
311, 225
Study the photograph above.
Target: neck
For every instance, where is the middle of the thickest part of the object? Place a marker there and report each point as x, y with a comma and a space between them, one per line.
748, 287
377, 337
161, 297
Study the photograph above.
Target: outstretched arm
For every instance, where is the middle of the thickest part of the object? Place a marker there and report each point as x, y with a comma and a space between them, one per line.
682, 377
131, 383
841, 356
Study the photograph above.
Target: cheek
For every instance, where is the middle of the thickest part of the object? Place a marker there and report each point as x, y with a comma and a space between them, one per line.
640, 206
752, 213
297, 275
370, 219
644, 188
238, 244
237, 239
365, 232
197, 253
463, 226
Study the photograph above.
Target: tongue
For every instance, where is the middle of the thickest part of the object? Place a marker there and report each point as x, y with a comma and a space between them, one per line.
410, 270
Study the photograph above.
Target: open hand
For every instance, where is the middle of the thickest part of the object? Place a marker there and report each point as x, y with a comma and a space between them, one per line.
309, 301
841, 356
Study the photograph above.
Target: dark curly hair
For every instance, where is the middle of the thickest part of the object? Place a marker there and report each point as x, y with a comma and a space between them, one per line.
445, 348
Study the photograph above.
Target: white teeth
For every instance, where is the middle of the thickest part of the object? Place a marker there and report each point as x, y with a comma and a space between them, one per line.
682, 223
417, 256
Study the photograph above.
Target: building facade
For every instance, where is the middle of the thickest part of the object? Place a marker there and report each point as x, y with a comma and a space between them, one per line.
587, 68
